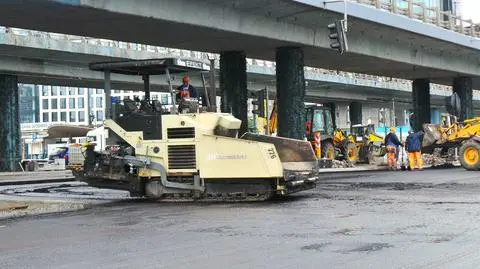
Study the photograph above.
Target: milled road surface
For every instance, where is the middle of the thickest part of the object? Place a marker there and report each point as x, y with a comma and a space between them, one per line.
425, 219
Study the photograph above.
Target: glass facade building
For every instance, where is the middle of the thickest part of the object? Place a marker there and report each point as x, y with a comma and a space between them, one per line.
29, 105
58, 104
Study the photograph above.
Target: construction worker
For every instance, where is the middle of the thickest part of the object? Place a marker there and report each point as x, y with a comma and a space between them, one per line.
392, 142
413, 145
186, 90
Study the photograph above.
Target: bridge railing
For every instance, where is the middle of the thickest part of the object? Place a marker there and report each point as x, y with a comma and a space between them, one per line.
434, 15
389, 82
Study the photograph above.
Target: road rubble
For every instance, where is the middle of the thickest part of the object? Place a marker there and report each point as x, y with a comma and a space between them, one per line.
20, 208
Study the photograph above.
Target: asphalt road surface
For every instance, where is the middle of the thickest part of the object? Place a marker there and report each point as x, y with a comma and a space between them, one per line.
424, 219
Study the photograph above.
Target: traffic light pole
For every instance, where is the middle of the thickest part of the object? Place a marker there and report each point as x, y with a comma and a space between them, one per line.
345, 26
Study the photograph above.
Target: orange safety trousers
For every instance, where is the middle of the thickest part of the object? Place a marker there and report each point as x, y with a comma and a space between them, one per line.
392, 162
415, 157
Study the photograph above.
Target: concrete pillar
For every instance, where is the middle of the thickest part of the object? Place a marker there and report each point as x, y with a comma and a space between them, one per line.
355, 110
463, 87
421, 103
10, 154
233, 84
290, 92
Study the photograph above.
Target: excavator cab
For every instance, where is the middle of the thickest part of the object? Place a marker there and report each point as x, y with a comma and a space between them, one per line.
320, 130
334, 143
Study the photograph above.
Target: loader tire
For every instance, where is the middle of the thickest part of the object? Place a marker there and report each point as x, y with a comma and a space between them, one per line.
351, 153
328, 151
470, 155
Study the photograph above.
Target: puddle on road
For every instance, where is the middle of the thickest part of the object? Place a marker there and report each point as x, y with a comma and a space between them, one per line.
398, 186
128, 222
442, 239
220, 229
369, 248
317, 247
344, 232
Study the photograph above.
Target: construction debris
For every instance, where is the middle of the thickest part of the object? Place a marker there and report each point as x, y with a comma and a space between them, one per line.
433, 160
342, 164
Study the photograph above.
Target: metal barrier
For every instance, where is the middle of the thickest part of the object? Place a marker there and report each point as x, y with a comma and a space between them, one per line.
432, 15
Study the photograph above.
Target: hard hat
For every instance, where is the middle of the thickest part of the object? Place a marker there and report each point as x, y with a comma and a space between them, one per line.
186, 79
392, 129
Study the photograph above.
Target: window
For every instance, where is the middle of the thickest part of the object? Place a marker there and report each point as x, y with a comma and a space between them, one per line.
318, 122
71, 91
44, 91
329, 121
54, 103
45, 117
99, 102
117, 91
63, 91
71, 102
54, 116
99, 115
63, 116
80, 102
63, 103
81, 116
54, 91
80, 91
99, 91
45, 103
72, 116
164, 99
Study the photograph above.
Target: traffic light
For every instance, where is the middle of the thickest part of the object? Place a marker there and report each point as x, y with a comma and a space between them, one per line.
260, 103
338, 39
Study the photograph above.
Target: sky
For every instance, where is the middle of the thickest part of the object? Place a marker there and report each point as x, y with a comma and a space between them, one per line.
470, 9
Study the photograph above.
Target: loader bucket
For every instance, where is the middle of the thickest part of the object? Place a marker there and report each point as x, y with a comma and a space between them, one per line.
294, 154
432, 134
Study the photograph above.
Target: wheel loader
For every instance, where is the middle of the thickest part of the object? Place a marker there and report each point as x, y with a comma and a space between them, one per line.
193, 155
465, 135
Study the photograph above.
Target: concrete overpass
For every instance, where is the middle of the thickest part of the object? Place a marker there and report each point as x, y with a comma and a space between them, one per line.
381, 43
44, 58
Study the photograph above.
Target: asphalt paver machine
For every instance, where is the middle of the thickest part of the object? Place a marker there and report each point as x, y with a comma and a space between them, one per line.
194, 154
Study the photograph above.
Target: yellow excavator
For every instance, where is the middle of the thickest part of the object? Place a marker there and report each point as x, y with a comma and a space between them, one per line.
155, 151
327, 142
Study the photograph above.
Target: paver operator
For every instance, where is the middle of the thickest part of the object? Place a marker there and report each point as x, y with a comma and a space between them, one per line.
186, 90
